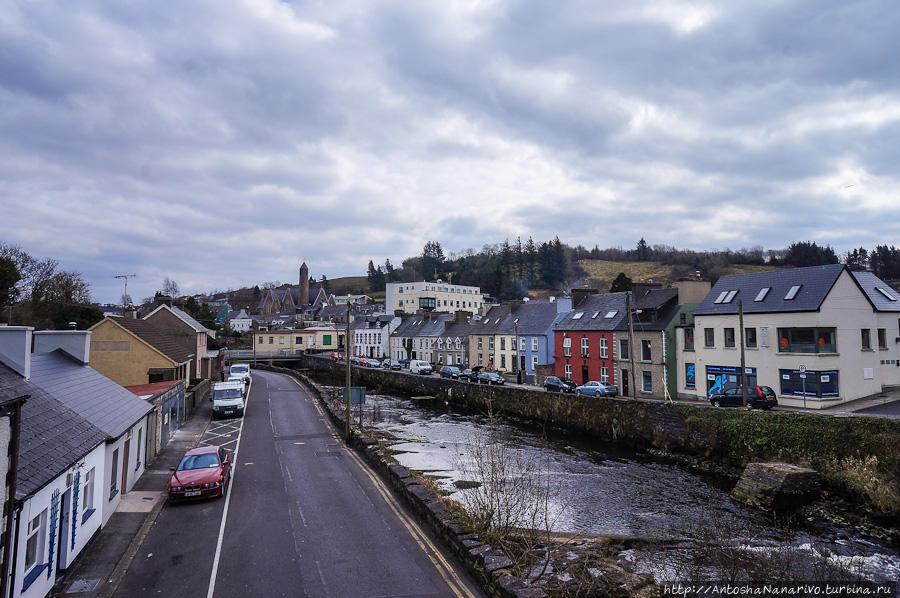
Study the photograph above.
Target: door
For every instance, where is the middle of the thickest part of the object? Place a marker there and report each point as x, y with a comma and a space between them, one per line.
625, 383
65, 532
521, 363
584, 374
125, 465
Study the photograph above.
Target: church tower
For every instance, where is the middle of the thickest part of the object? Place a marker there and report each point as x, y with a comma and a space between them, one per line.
303, 290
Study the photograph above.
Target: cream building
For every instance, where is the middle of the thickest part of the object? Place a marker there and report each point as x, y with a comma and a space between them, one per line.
818, 336
316, 339
440, 296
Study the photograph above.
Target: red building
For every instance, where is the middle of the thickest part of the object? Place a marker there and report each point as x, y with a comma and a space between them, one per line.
583, 339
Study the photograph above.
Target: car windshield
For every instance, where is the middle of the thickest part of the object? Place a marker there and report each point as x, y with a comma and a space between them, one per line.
227, 393
201, 461
239, 369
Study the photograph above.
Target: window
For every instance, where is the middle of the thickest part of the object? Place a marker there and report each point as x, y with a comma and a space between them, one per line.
761, 295
568, 370
298, 340
503, 343
645, 351
138, 450
729, 297
611, 314
87, 496
114, 475
271, 340
567, 346
815, 384
646, 381
440, 358
480, 345
281, 340
326, 339
623, 348
806, 340
729, 337
721, 297
534, 344
604, 374
890, 296
34, 546
866, 338
480, 359
793, 292
503, 361
259, 340
882, 338
585, 347
604, 348
491, 343
534, 361
689, 339
596, 313
750, 337
577, 315
690, 376
522, 345
709, 337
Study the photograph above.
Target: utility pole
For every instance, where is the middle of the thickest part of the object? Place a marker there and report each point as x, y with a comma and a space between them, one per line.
347, 361
743, 363
125, 292
628, 296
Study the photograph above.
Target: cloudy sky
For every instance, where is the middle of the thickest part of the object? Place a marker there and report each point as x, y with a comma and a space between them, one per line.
218, 143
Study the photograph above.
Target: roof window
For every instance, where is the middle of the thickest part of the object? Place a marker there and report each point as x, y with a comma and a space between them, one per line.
721, 297
577, 315
762, 293
793, 292
886, 293
596, 313
730, 296
611, 314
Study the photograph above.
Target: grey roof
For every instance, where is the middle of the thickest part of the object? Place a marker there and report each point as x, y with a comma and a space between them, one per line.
237, 315
435, 326
535, 317
815, 283
601, 305
661, 304
409, 326
494, 321
181, 315
89, 393
871, 285
156, 338
52, 438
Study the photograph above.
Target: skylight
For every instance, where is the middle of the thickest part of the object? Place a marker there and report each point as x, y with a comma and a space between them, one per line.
886, 293
721, 297
577, 315
596, 313
762, 293
793, 292
730, 296
611, 314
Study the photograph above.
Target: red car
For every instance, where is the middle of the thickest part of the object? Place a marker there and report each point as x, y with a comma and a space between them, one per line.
202, 473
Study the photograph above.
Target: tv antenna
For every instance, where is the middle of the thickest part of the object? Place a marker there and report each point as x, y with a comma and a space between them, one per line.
125, 292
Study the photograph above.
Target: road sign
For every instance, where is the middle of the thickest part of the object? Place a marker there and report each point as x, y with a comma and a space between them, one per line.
803, 376
802, 369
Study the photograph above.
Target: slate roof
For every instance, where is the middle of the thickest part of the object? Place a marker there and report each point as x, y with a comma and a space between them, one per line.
53, 437
156, 338
870, 285
181, 315
237, 315
436, 326
664, 302
601, 305
815, 283
494, 321
409, 326
87, 392
535, 317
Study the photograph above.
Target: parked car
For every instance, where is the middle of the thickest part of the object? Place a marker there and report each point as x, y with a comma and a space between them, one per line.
557, 384
202, 473
337, 356
370, 362
404, 363
242, 370
758, 397
417, 366
468, 375
354, 359
490, 378
597, 389
228, 398
392, 364
450, 371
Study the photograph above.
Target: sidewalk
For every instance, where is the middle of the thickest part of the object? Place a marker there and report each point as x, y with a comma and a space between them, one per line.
103, 563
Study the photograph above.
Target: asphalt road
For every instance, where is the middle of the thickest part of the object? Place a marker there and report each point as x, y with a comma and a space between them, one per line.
304, 517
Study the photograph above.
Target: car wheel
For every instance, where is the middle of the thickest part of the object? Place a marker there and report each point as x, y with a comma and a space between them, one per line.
577, 392
716, 403
749, 407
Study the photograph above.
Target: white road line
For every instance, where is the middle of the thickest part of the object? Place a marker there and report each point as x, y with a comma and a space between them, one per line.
215, 569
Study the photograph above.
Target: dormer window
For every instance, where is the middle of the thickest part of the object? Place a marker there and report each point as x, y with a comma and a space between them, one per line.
762, 293
793, 292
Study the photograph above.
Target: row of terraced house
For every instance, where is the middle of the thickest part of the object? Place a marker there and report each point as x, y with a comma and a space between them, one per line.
82, 413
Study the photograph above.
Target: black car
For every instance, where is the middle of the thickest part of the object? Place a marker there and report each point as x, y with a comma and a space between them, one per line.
450, 371
556, 384
468, 375
490, 378
758, 397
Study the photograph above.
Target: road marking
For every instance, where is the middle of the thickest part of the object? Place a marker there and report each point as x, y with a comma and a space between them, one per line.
215, 569
444, 569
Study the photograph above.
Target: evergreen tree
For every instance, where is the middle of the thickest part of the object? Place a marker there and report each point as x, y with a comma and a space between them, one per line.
432, 260
9, 278
642, 252
531, 262
621, 283
389, 275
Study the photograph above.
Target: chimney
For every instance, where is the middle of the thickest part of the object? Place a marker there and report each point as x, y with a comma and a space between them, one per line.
130, 312
163, 300
77, 343
563, 305
692, 291
579, 295
462, 317
15, 348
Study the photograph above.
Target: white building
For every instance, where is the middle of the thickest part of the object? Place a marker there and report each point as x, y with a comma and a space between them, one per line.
372, 334
432, 296
841, 327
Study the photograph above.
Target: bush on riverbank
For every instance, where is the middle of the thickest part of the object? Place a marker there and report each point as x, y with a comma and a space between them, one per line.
857, 456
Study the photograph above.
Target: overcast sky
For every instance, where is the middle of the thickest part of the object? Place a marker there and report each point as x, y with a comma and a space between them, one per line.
219, 143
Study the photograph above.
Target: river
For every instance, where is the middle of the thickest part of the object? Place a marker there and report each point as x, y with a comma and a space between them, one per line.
608, 492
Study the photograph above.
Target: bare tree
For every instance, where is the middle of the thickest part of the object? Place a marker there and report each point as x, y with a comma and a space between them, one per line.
170, 288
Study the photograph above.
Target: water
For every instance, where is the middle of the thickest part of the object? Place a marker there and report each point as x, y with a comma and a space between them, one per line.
608, 493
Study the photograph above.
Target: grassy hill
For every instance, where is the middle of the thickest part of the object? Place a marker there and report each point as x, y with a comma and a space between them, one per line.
602, 272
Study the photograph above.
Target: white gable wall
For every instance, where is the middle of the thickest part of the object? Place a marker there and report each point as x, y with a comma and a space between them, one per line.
133, 461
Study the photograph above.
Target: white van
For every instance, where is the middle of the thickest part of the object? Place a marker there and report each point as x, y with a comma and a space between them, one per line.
419, 367
240, 369
228, 399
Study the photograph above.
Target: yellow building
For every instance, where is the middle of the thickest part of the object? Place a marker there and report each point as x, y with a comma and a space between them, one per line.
132, 352
315, 339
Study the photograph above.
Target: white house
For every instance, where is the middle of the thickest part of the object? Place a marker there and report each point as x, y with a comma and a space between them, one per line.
818, 336
239, 321
372, 334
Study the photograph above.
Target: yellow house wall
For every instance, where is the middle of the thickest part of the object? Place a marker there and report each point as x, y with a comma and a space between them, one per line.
121, 357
